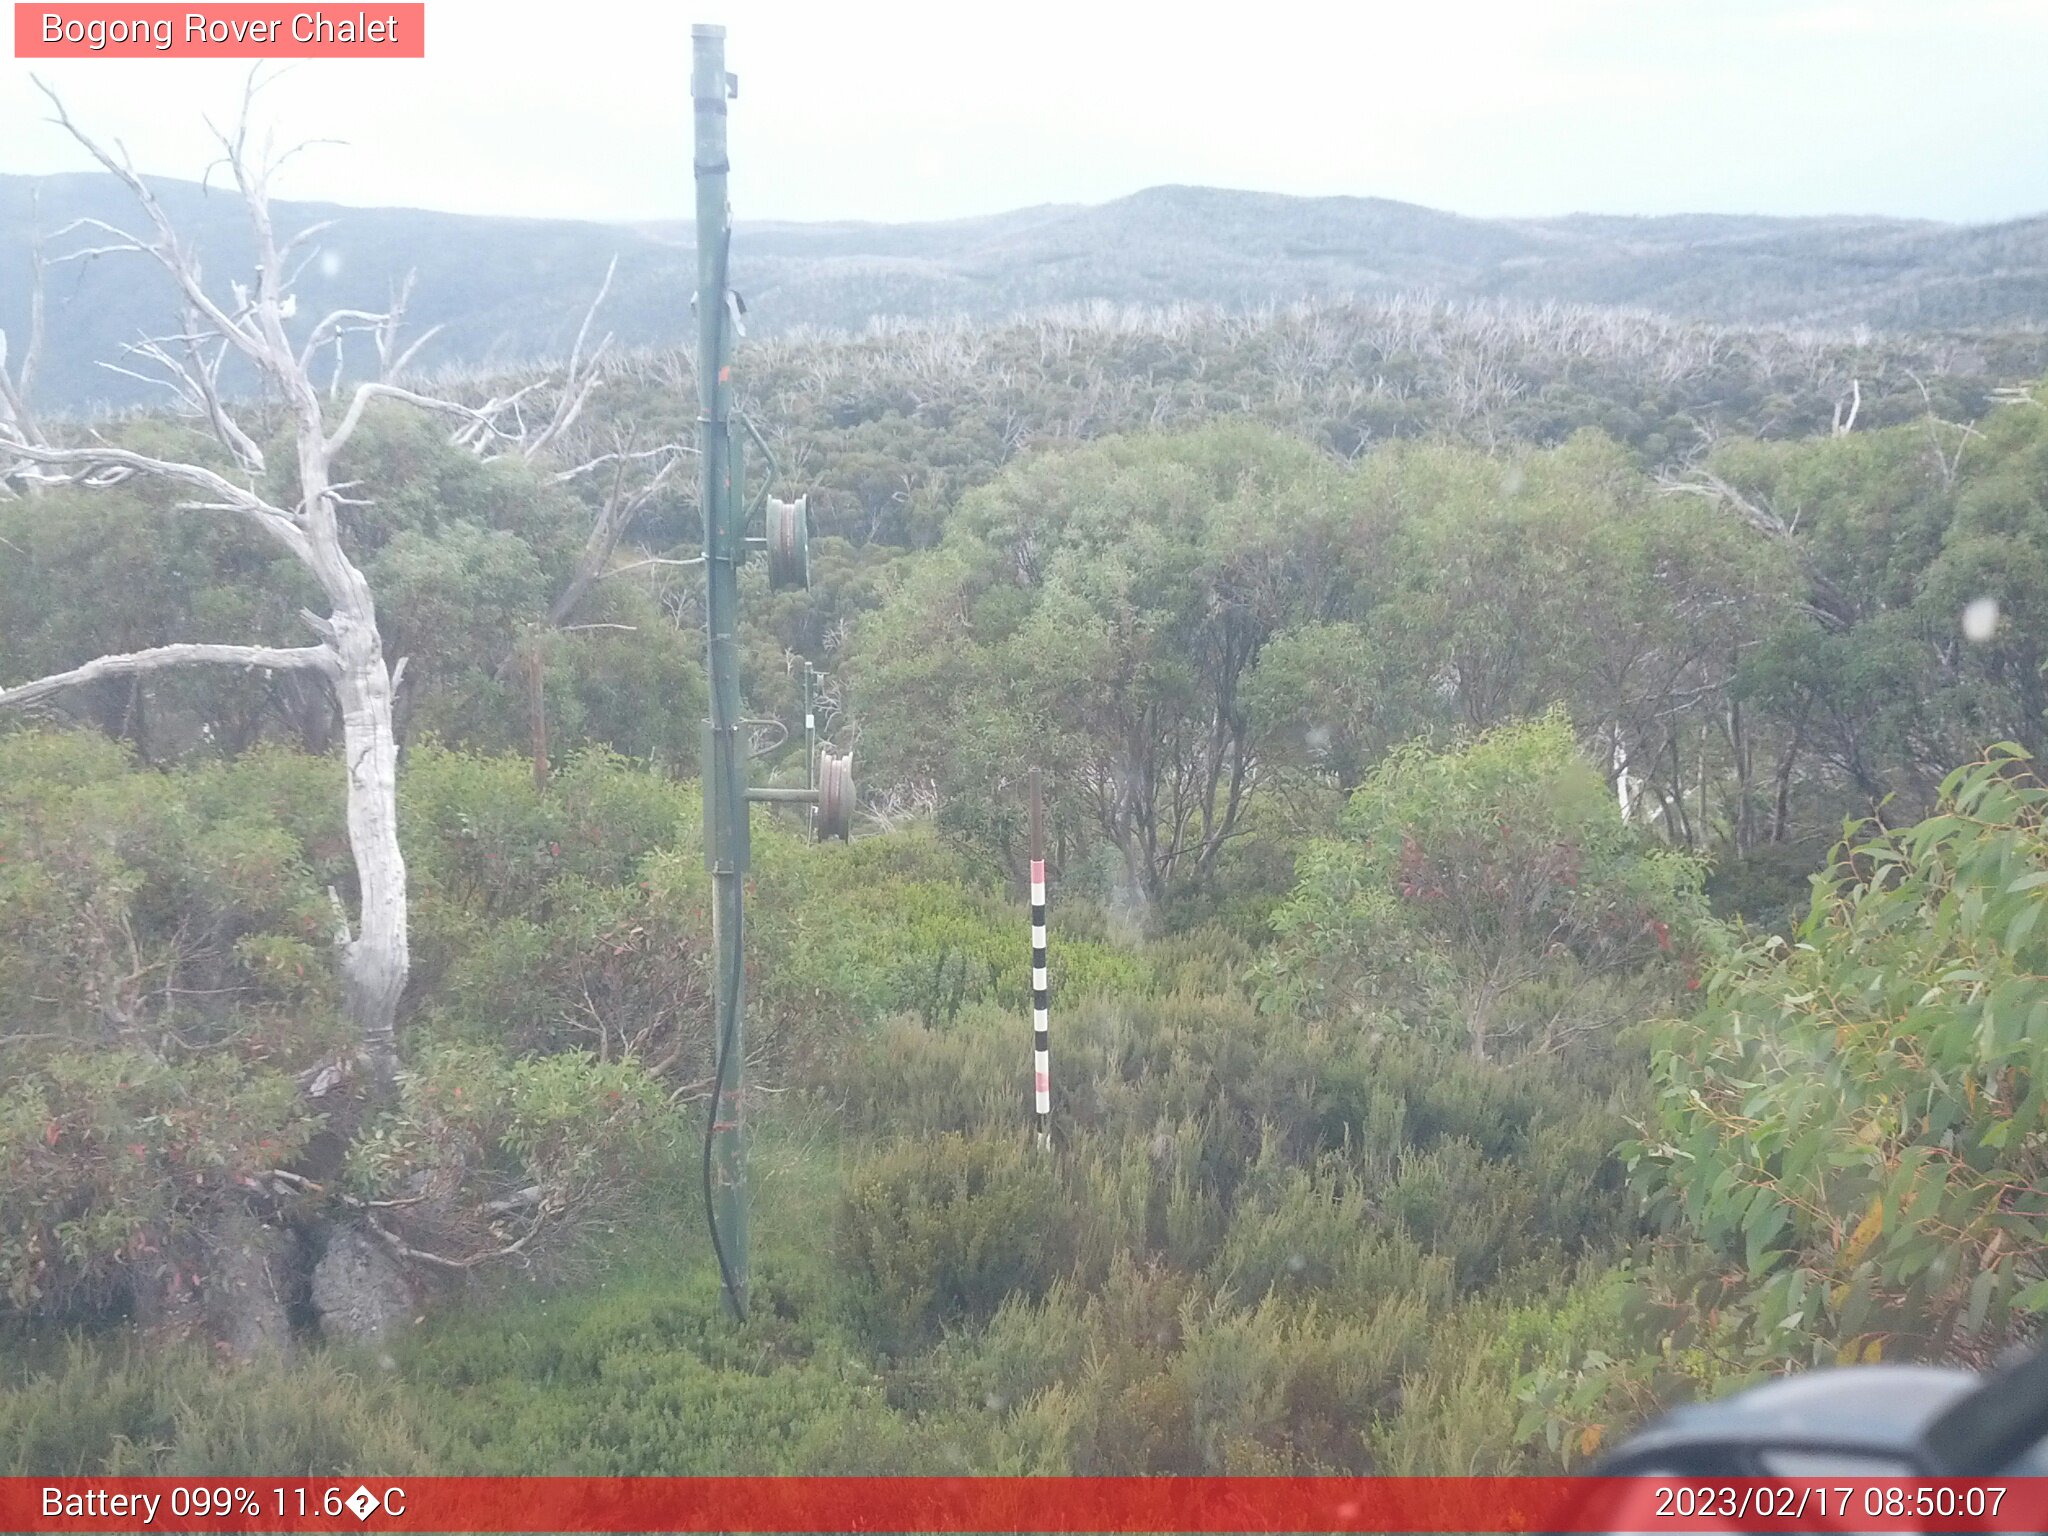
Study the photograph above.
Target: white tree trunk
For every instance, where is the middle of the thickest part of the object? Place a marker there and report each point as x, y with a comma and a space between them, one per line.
377, 959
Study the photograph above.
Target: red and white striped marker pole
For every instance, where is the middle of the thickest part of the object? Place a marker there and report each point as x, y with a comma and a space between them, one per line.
1041, 1045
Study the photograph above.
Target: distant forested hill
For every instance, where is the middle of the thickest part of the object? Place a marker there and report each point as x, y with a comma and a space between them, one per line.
507, 290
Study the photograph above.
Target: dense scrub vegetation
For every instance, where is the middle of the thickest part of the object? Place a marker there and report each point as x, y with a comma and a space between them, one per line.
1454, 1059
1252, 1211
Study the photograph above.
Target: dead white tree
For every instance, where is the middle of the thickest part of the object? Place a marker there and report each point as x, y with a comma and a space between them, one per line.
1834, 608
250, 324
1847, 411
18, 376
638, 476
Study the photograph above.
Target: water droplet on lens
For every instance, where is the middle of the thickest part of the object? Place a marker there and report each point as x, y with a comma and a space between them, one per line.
1980, 619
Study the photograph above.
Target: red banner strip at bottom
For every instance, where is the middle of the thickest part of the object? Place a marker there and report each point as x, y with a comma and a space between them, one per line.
1020, 1504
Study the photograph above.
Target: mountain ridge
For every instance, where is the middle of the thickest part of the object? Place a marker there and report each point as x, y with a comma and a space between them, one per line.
507, 290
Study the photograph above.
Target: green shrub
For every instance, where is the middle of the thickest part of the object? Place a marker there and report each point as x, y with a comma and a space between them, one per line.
1178, 1379
646, 1375
1768, 887
1490, 895
944, 1230
114, 1166
110, 1411
584, 1144
1302, 1233
141, 909
972, 1079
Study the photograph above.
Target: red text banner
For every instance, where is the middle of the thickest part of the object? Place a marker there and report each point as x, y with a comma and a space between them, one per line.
1049, 1504
232, 31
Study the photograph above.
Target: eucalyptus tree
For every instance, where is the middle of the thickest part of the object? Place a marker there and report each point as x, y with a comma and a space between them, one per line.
1921, 627
1100, 612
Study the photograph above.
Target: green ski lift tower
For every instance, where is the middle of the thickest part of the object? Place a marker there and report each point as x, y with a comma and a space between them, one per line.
785, 538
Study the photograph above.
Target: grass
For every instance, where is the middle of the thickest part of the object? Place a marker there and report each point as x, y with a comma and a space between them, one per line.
640, 1371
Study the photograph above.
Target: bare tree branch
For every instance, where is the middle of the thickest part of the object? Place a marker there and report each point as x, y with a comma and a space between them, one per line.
16, 387
483, 419
195, 380
317, 658
651, 560
103, 464
617, 515
166, 249
666, 450
582, 375
334, 324
1830, 604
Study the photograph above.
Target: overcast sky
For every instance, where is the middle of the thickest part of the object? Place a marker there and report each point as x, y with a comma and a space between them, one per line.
885, 109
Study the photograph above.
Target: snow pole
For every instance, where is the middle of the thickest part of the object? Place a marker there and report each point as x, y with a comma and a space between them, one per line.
1041, 1046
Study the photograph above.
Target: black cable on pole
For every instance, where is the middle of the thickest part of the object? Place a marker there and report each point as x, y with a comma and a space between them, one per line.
726, 1031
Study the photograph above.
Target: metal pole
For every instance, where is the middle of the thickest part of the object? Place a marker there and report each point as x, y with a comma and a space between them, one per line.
1041, 1002
725, 803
